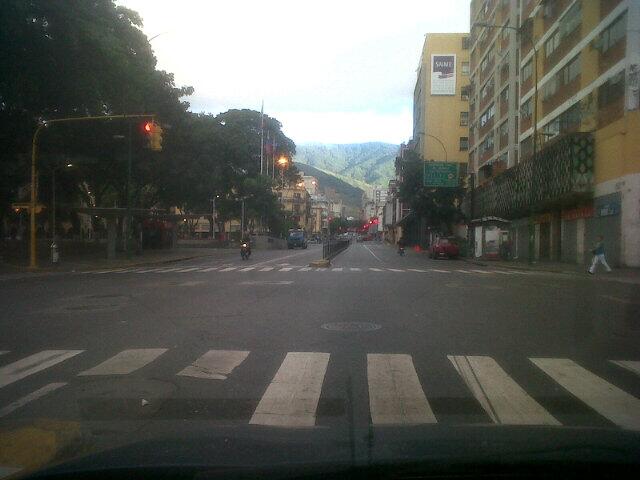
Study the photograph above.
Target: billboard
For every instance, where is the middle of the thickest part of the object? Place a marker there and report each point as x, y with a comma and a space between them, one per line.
443, 74
440, 174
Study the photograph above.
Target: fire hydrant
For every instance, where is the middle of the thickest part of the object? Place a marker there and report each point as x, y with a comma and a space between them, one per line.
55, 256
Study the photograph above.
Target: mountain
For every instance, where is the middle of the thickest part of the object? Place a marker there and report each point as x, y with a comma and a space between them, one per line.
351, 196
361, 164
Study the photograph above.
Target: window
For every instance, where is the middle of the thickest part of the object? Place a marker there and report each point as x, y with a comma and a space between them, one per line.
487, 115
464, 92
571, 20
526, 109
486, 60
464, 119
486, 90
487, 144
296, 196
527, 71
504, 95
613, 33
504, 129
464, 144
465, 68
565, 76
466, 44
567, 121
612, 90
552, 44
505, 33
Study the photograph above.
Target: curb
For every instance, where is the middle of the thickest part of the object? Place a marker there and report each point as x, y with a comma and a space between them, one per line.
320, 263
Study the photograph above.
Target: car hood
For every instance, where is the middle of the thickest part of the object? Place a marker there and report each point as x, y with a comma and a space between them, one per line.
432, 450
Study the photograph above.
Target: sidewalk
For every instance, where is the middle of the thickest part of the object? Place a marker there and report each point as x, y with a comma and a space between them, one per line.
624, 275
98, 262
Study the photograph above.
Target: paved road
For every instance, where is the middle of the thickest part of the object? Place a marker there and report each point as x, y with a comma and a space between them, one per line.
272, 345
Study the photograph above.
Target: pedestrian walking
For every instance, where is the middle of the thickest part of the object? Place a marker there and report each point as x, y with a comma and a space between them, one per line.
598, 256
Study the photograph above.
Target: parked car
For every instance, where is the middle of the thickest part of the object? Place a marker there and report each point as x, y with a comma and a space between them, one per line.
444, 247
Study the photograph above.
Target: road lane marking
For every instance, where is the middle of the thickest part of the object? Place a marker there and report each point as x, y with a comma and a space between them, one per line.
228, 269
336, 269
285, 269
376, 269
463, 271
125, 270
33, 364
502, 272
190, 269
125, 362
215, 364
439, 271
374, 255
113, 270
166, 270
416, 270
606, 399
355, 269
631, 365
291, 399
498, 394
266, 269
480, 271
21, 402
305, 269
395, 393
246, 269
210, 269
395, 270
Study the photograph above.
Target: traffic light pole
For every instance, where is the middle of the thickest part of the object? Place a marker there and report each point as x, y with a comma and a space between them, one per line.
33, 260
128, 221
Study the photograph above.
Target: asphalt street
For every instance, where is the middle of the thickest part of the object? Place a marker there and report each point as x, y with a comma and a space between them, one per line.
271, 345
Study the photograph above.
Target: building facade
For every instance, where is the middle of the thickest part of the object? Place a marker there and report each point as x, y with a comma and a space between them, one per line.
440, 99
296, 204
556, 159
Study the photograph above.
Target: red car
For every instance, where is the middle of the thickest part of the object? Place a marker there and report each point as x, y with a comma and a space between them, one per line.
444, 247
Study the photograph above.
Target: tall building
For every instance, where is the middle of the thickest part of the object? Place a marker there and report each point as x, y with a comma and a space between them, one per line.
440, 102
557, 157
296, 204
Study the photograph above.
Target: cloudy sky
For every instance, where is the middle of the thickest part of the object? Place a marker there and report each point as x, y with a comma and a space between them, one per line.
330, 71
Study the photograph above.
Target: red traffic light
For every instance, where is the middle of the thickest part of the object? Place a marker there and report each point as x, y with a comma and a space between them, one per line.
147, 127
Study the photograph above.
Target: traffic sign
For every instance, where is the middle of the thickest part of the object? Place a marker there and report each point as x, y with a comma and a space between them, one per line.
440, 174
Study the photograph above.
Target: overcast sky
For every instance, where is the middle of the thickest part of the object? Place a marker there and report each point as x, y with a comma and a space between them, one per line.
330, 71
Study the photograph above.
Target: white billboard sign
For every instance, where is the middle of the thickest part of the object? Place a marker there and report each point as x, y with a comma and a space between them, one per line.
443, 74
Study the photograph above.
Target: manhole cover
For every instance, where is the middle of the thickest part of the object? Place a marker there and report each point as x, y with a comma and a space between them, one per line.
351, 326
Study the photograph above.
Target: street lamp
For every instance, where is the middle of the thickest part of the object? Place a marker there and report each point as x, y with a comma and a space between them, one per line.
282, 163
437, 140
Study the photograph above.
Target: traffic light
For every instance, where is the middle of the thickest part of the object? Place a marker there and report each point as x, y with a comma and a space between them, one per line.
153, 131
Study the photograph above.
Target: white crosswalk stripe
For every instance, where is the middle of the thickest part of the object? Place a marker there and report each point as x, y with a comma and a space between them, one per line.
125, 362
291, 399
266, 269
439, 271
608, 400
209, 269
215, 364
376, 269
286, 269
305, 269
355, 269
631, 365
21, 402
501, 397
463, 271
336, 269
416, 270
185, 270
480, 271
395, 393
246, 269
228, 269
33, 364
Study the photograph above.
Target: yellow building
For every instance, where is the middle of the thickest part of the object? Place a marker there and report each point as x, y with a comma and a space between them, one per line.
440, 99
578, 169
296, 203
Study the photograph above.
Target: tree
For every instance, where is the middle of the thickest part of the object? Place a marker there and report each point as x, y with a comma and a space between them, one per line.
440, 207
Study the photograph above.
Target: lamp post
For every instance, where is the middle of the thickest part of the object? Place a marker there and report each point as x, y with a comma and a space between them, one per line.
437, 140
518, 30
282, 164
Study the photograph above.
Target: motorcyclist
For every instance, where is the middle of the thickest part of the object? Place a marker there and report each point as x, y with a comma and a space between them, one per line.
246, 240
401, 244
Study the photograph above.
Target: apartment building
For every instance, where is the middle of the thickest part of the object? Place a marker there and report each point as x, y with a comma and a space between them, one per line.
555, 128
440, 99
296, 204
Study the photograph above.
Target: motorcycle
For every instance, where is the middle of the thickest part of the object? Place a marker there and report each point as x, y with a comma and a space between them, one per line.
245, 251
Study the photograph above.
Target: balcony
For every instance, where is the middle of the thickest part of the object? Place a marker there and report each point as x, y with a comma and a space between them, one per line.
560, 175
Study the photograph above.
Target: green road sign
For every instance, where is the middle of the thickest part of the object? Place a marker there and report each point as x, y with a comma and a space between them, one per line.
440, 174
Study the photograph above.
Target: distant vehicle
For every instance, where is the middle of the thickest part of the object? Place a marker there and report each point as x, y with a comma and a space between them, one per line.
296, 238
444, 247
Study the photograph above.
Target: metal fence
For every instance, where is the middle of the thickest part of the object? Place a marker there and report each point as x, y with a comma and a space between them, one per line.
331, 248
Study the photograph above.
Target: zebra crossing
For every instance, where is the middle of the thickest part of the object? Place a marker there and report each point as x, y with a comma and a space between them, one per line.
285, 268
396, 386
